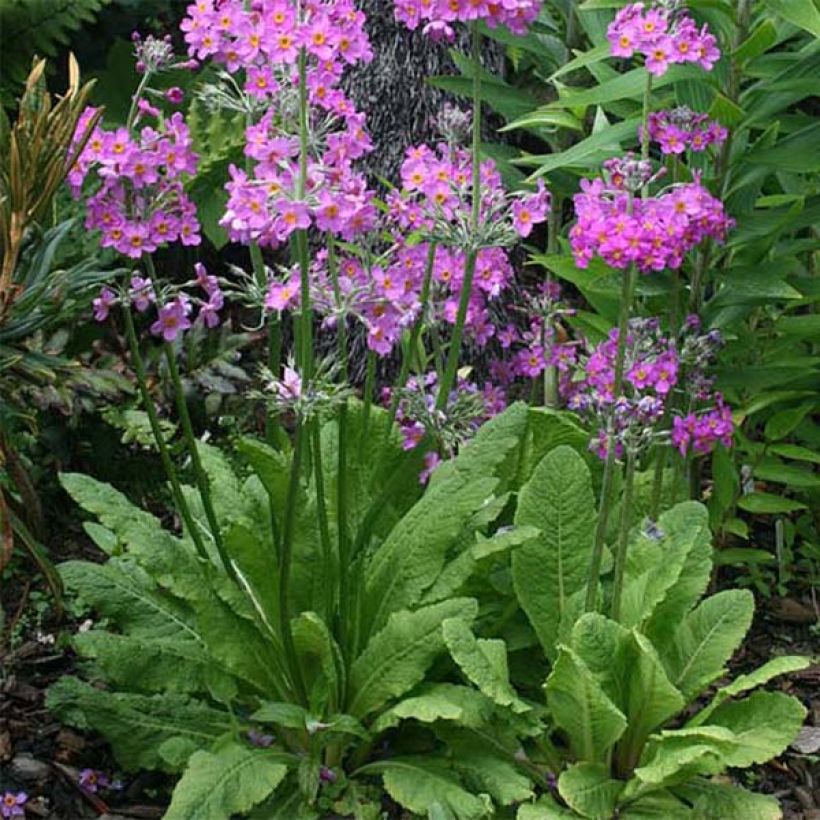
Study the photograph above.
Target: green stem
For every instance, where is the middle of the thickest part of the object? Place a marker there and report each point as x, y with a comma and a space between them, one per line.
285, 561
627, 296
604, 510
321, 511
657, 481
132, 111
623, 536
369, 382
200, 476
156, 430
449, 377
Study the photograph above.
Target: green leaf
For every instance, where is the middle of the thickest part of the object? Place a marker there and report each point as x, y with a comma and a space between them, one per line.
232, 780
762, 38
765, 723
122, 592
711, 799
780, 424
662, 578
439, 701
803, 13
774, 470
707, 639
647, 696
484, 771
484, 663
546, 571
795, 452
743, 683
678, 755
397, 657
582, 709
418, 782
545, 809
137, 725
312, 638
411, 558
769, 504
149, 664
659, 805
589, 789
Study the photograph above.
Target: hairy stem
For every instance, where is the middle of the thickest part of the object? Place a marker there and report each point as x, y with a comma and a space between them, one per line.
200, 476
623, 536
159, 439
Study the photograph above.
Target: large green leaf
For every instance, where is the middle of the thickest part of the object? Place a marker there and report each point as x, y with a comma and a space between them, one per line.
137, 725
483, 661
558, 500
590, 789
120, 591
743, 683
803, 13
656, 574
581, 708
439, 701
545, 809
707, 638
411, 558
765, 723
232, 780
418, 782
397, 657
676, 756
712, 799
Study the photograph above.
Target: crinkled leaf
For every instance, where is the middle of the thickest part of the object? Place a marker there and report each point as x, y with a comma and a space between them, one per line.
710, 799
706, 639
232, 780
397, 657
765, 723
439, 701
418, 782
743, 683
483, 661
590, 790
137, 725
558, 500
582, 709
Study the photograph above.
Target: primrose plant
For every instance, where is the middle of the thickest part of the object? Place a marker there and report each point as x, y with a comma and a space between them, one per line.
288, 645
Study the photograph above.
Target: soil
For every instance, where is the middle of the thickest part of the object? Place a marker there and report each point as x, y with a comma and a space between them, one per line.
44, 759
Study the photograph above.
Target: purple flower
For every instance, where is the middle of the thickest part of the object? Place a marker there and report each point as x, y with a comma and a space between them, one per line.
92, 780
141, 293
103, 304
172, 320
262, 741
11, 804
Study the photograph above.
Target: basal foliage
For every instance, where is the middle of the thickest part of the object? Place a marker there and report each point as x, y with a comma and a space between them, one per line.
195, 679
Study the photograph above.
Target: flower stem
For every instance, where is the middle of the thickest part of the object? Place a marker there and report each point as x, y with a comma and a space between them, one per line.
449, 377
321, 512
285, 561
623, 536
369, 382
200, 475
156, 430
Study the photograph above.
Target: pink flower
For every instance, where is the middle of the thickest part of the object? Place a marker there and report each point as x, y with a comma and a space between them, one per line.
103, 304
172, 320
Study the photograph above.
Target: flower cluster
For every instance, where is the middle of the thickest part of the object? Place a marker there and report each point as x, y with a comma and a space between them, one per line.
653, 233
140, 204
437, 193
12, 804
660, 374
539, 346
663, 34
266, 33
467, 408
439, 14
267, 39
175, 307
682, 129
